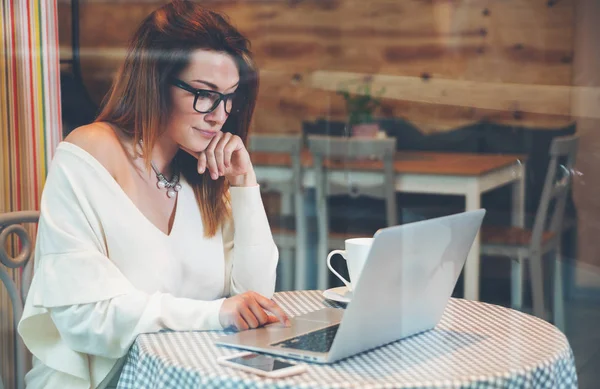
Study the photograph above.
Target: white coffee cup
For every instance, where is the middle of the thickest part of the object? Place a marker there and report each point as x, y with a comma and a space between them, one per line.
355, 254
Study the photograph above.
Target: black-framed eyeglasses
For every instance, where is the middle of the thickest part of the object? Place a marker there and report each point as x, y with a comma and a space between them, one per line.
206, 100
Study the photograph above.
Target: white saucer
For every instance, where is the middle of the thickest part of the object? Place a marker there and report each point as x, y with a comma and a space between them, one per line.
340, 294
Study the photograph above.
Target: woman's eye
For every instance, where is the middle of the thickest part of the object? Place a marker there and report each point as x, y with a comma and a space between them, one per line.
204, 93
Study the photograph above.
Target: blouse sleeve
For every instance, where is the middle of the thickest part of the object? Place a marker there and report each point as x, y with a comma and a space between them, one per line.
108, 328
250, 253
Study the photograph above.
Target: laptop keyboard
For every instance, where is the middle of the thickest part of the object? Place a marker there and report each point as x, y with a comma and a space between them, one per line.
317, 341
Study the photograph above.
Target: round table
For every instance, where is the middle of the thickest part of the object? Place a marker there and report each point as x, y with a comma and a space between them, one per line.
475, 345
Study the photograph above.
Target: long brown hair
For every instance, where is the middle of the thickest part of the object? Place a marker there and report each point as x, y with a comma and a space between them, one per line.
139, 100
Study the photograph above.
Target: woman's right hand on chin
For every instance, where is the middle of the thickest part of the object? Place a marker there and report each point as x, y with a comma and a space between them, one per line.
248, 310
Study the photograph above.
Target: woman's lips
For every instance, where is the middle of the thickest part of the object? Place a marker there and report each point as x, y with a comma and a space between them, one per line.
205, 133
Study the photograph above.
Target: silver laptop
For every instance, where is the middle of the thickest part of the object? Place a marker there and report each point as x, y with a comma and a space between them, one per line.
409, 275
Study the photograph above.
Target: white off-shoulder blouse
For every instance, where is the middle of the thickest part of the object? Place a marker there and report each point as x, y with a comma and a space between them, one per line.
104, 273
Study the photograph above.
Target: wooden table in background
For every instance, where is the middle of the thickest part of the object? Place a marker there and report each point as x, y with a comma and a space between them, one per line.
464, 174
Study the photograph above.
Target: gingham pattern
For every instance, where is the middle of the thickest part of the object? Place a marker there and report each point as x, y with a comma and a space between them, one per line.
476, 345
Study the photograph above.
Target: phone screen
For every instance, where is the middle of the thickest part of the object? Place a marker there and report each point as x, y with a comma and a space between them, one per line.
261, 362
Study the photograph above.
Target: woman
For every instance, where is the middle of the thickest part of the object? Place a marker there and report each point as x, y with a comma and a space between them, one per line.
152, 215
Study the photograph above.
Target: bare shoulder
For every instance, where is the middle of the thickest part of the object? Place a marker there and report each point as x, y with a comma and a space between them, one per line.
101, 141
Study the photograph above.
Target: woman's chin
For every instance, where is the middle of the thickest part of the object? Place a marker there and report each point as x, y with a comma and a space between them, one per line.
192, 148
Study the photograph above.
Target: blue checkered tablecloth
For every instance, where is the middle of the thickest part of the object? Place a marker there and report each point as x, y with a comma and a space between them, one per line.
475, 345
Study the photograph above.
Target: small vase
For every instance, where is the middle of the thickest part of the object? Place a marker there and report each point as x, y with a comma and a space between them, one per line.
366, 130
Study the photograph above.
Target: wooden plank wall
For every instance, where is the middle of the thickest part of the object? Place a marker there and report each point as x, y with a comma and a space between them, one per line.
443, 63
586, 68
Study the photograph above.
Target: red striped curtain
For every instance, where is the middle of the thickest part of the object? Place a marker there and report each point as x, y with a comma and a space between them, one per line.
30, 124
29, 100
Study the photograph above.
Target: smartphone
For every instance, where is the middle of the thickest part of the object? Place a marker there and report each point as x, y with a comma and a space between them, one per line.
263, 365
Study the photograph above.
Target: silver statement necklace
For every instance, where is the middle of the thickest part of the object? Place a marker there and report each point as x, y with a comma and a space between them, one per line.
172, 186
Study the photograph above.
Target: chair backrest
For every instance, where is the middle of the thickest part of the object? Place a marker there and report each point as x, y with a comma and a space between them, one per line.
287, 144
335, 148
11, 223
557, 186
330, 150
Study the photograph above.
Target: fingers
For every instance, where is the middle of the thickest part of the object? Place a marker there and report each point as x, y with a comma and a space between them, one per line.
201, 162
247, 311
215, 152
259, 314
220, 152
249, 317
217, 158
270, 306
211, 160
233, 145
240, 324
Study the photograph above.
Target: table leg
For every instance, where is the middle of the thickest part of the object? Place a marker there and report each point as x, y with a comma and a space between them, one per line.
518, 220
471, 273
300, 276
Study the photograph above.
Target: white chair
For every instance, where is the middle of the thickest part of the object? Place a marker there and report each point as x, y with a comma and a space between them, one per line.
11, 223
545, 237
289, 228
325, 151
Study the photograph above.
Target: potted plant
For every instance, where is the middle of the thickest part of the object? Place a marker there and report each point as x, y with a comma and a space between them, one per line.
360, 106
